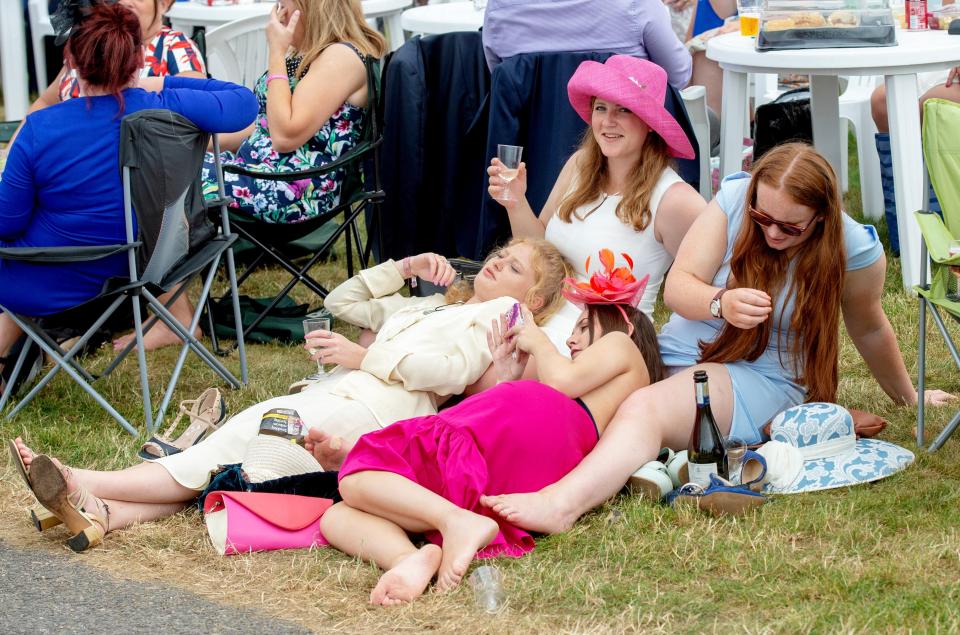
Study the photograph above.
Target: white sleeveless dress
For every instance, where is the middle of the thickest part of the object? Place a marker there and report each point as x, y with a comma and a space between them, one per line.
579, 239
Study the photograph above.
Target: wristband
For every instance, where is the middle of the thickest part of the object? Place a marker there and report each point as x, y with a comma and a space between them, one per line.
270, 78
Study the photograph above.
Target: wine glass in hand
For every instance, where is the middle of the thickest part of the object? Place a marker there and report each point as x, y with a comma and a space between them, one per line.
316, 324
509, 156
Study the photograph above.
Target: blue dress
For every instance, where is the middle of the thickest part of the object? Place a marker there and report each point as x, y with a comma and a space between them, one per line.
766, 386
61, 185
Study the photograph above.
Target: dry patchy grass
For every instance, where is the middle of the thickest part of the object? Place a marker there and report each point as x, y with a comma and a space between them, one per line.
883, 557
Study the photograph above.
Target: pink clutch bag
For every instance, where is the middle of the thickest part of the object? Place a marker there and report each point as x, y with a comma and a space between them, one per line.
241, 522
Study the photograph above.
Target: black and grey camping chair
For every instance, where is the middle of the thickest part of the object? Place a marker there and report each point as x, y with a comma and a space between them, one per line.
161, 154
359, 200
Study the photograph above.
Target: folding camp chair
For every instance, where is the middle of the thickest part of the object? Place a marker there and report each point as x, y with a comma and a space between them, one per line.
941, 128
161, 154
360, 194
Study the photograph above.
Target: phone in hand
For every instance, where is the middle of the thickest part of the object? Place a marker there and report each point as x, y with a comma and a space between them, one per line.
514, 316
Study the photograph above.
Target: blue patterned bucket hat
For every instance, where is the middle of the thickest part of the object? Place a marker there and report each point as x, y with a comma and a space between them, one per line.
826, 452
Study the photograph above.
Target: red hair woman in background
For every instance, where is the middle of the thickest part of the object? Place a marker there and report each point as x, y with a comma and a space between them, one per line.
758, 288
166, 52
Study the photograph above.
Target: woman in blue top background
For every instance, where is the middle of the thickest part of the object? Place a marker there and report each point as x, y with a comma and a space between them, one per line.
61, 183
758, 288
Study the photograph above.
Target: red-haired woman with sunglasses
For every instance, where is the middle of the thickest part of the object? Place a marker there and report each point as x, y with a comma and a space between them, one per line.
757, 289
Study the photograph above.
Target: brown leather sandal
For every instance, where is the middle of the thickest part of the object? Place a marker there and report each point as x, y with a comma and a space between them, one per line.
85, 515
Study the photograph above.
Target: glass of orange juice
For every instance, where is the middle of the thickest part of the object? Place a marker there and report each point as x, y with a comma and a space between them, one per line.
749, 12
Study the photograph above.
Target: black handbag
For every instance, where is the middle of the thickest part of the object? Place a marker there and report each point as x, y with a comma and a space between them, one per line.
786, 118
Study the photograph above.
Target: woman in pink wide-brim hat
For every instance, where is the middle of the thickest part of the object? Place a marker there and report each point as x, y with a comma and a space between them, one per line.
619, 189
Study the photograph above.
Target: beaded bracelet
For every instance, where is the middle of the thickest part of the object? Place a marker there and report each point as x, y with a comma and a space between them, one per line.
270, 78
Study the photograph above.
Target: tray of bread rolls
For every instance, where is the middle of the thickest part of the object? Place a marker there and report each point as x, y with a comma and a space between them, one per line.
841, 28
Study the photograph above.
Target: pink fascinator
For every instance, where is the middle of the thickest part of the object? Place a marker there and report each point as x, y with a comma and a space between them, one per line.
612, 285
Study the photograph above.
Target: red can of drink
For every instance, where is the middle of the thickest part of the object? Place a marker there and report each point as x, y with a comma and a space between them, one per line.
916, 14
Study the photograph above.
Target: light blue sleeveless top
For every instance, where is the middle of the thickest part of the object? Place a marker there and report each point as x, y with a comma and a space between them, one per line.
679, 337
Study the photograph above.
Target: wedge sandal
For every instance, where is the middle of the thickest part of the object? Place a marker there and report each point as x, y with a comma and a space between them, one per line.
204, 413
720, 499
652, 481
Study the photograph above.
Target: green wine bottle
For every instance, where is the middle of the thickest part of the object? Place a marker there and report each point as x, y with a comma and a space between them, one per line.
706, 454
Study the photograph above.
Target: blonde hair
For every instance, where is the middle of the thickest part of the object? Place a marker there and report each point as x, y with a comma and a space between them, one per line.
549, 270
634, 207
327, 22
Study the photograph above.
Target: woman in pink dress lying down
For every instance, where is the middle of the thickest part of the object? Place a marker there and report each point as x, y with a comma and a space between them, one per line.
427, 474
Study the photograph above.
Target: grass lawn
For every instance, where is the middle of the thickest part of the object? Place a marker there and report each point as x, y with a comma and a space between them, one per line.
882, 557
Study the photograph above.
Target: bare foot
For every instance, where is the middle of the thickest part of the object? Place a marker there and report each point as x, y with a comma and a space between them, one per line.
160, 336
157, 337
26, 454
463, 534
408, 578
535, 511
328, 450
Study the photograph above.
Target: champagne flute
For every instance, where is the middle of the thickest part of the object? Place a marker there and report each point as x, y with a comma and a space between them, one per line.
316, 324
509, 156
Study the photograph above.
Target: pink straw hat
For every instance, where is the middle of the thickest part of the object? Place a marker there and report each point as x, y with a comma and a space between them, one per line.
635, 84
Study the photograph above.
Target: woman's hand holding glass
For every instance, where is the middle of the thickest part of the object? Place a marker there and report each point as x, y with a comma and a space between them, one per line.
745, 308
333, 348
508, 361
431, 267
507, 187
280, 29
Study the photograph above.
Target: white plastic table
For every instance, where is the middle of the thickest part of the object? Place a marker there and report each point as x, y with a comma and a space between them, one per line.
185, 16
916, 52
13, 60
442, 18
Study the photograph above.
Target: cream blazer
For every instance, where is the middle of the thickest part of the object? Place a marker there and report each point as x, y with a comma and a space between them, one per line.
424, 349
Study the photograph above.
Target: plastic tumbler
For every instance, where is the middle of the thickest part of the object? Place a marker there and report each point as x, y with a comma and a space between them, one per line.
749, 12
487, 583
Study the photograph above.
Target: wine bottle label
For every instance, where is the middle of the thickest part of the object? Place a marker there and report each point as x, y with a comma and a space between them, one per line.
700, 473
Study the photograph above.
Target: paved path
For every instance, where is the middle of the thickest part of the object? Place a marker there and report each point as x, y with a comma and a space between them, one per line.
49, 593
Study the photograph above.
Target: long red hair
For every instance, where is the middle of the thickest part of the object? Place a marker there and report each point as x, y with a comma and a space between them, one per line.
106, 48
816, 283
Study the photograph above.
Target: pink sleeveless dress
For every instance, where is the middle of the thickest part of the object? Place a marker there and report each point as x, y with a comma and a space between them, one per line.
515, 437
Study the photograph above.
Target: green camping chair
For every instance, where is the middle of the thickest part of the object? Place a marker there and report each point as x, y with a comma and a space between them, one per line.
941, 151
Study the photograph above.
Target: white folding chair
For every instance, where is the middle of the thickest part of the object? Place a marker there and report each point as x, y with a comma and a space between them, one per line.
695, 101
855, 109
40, 27
237, 51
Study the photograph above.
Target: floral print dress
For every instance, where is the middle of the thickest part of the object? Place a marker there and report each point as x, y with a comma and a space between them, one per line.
295, 201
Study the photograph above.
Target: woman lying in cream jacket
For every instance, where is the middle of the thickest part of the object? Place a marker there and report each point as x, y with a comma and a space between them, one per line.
425, 349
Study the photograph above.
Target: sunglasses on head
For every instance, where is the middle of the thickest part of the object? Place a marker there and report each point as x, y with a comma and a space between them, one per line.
765, 220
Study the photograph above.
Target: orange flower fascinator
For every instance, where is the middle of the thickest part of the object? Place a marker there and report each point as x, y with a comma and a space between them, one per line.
612, 285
